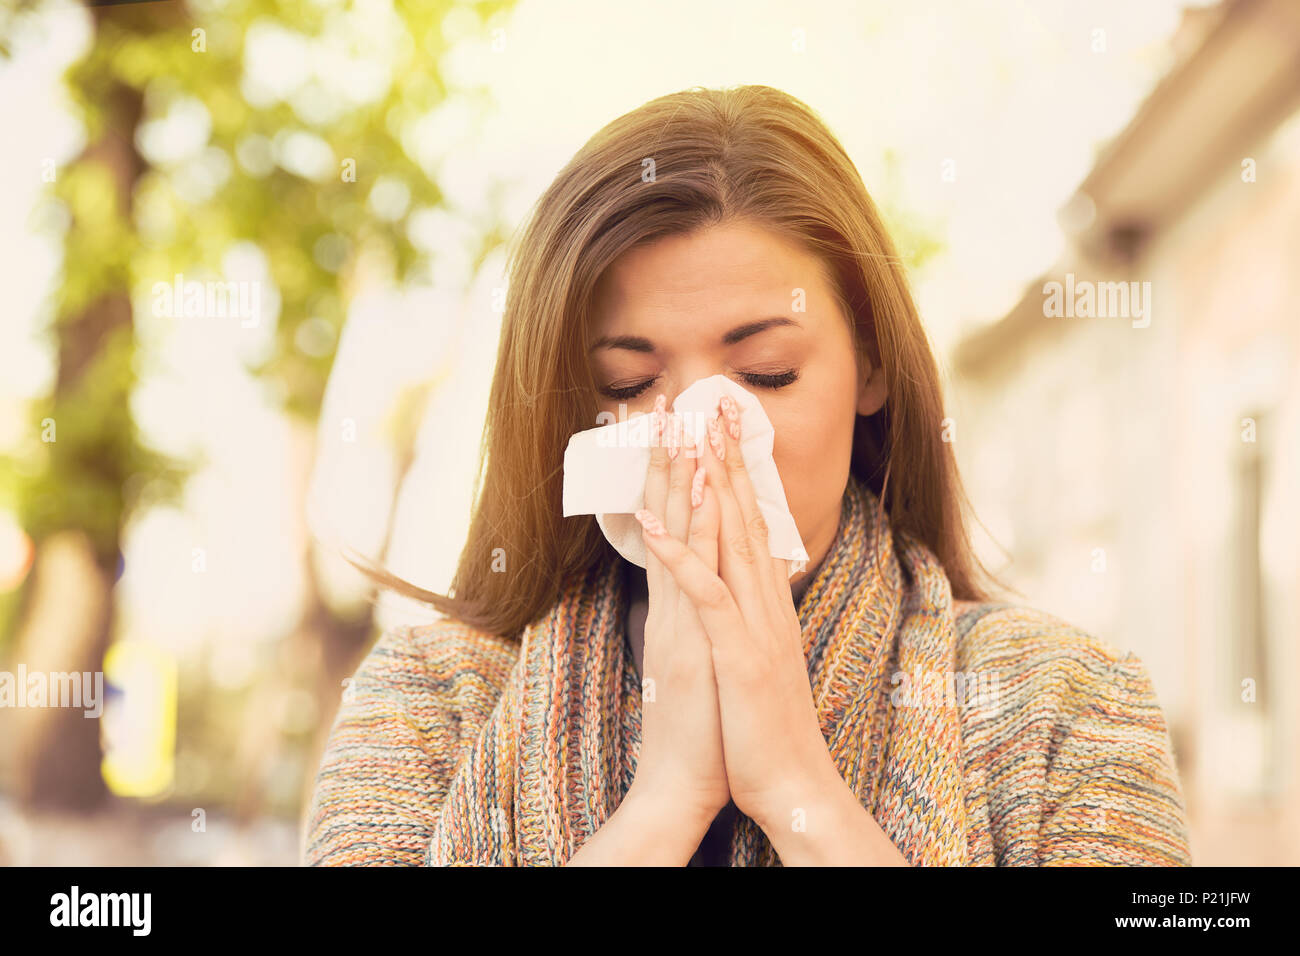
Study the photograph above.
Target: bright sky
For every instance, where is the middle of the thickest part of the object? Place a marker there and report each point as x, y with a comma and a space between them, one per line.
1014, 94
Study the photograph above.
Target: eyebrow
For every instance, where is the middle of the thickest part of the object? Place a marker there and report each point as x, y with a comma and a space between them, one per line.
636, 343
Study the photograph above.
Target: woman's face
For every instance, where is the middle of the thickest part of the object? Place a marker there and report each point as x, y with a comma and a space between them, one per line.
723, 300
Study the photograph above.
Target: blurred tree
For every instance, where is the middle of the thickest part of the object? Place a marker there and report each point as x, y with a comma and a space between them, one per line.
73, 506
310, 147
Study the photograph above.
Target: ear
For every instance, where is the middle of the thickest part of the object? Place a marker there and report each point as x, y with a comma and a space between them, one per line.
872, 387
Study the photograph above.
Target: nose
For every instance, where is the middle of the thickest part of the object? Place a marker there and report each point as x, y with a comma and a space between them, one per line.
687, 375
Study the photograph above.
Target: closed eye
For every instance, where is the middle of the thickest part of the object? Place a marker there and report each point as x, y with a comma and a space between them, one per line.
772, 381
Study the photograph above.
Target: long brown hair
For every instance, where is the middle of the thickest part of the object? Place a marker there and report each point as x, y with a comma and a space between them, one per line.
678, 163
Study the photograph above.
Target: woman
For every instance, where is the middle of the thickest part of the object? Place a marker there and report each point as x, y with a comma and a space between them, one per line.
877, 708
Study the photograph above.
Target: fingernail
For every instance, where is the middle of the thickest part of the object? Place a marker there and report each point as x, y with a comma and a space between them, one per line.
661, 402
697, 488
652, 524
674, 441
715, 440
732, 413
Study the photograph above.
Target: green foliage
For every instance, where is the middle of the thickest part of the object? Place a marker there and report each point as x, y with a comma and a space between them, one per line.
312, 226
84, 465
95, 470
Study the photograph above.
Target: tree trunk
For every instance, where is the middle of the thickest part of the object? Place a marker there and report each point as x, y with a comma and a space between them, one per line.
57, 752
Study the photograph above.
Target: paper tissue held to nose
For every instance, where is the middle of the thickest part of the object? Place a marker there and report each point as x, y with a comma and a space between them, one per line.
605, 470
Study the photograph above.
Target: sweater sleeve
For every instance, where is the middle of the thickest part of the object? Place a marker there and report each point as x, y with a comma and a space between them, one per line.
1113, 795
390, 753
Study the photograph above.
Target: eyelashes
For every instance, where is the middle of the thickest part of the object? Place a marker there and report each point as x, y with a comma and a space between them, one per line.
630, 391
771, 381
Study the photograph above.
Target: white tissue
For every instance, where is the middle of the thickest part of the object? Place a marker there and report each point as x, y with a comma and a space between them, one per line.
605, 469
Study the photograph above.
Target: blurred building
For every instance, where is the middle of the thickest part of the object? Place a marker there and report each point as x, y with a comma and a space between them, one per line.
1135, 449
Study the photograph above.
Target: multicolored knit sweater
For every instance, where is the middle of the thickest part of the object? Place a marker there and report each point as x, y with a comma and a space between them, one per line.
1072, 767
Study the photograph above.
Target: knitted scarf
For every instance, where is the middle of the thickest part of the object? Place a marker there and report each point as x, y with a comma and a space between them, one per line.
559, 750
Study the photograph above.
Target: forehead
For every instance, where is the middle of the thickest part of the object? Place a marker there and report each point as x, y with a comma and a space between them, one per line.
717, 274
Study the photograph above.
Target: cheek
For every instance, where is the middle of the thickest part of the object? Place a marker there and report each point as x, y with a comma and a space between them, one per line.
813, 442
799, 436
814, 447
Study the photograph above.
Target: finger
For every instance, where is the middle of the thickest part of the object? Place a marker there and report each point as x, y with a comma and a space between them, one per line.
738, 559
703, 538
656, 498
743, 488
713, 600
678, 509
703, 535
681, 470
781, 570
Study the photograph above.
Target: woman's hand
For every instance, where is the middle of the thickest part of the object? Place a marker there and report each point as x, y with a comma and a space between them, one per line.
681, 760
777, 762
